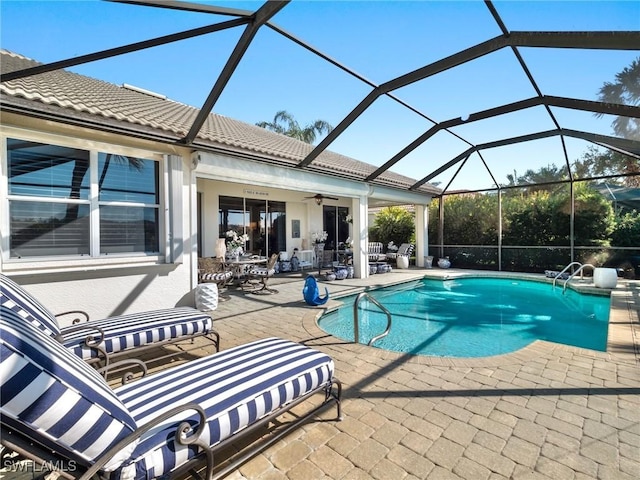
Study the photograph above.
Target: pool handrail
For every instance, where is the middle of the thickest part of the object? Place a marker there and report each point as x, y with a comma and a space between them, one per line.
564, 270
356, 321
564, 288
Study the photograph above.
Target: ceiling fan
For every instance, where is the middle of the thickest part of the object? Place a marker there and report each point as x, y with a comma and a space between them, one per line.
318, 197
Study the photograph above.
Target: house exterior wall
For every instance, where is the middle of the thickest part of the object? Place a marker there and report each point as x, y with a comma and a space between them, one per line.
108, 284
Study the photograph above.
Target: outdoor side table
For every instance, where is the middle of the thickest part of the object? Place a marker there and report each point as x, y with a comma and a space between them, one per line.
207, 297
605, 277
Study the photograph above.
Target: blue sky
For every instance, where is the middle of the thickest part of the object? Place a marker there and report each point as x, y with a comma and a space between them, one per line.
378, 40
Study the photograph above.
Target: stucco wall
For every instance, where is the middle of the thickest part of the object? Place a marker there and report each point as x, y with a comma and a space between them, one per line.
109, 285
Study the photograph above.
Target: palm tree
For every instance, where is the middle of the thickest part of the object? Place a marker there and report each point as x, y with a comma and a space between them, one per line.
625, 90
284, 123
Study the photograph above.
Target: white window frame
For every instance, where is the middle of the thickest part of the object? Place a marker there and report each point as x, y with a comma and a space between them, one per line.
95, 259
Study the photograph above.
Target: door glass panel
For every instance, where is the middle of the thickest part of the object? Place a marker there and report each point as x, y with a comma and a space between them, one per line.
231, 215
277, 224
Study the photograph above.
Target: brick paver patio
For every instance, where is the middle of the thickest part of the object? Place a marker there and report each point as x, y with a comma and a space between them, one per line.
546, 412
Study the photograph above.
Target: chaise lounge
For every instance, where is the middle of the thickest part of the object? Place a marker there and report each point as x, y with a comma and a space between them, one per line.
103, 341
59, 412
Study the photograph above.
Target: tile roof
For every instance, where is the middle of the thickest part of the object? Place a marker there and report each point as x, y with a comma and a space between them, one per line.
63, 94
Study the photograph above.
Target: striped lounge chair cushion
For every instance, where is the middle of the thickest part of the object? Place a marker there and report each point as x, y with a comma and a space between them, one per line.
235, 387
53, 397
16, 298
139, 329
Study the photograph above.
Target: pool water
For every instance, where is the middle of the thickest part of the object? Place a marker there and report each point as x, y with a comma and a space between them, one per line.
474, 317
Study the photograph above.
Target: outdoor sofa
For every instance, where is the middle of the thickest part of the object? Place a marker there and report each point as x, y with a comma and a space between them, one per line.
60, 412
102, 341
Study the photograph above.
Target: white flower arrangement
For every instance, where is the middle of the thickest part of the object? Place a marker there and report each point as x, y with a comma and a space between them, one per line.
349, 218
348, 242
319, 237
236, 242
392, 247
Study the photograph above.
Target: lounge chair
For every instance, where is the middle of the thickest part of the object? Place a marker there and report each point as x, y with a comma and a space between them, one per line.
402, 256
58, 411
102, 341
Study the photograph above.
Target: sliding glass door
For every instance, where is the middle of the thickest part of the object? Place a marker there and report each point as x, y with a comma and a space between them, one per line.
263, 221
336, 225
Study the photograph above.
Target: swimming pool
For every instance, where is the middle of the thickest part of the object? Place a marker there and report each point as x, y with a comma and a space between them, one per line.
474, 317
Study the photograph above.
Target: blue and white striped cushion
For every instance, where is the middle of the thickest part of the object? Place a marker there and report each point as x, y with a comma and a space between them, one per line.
235, 387
216, 277
262, 271
138, 329
16, 298
52, 396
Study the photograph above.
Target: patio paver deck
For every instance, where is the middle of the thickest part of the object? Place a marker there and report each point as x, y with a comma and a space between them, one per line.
548, 411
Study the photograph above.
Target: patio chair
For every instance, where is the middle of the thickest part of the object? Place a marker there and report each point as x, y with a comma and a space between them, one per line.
59, 412
214, 270
375, 253
263, 274
405, 249
102, 341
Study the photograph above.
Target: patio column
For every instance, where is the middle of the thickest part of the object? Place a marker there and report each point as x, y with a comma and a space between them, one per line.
422, 234
360, 234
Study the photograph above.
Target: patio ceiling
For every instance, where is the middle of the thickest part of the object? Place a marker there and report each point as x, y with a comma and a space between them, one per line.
474, 129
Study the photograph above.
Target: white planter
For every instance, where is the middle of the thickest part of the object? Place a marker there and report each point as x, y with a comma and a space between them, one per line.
402, 261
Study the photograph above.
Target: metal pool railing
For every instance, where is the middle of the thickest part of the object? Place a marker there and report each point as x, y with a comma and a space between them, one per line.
356, 320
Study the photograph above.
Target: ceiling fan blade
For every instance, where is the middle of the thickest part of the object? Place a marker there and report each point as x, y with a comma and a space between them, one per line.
320, 197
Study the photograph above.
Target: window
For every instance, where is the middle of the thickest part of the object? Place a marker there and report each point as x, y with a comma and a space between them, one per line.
69, 201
